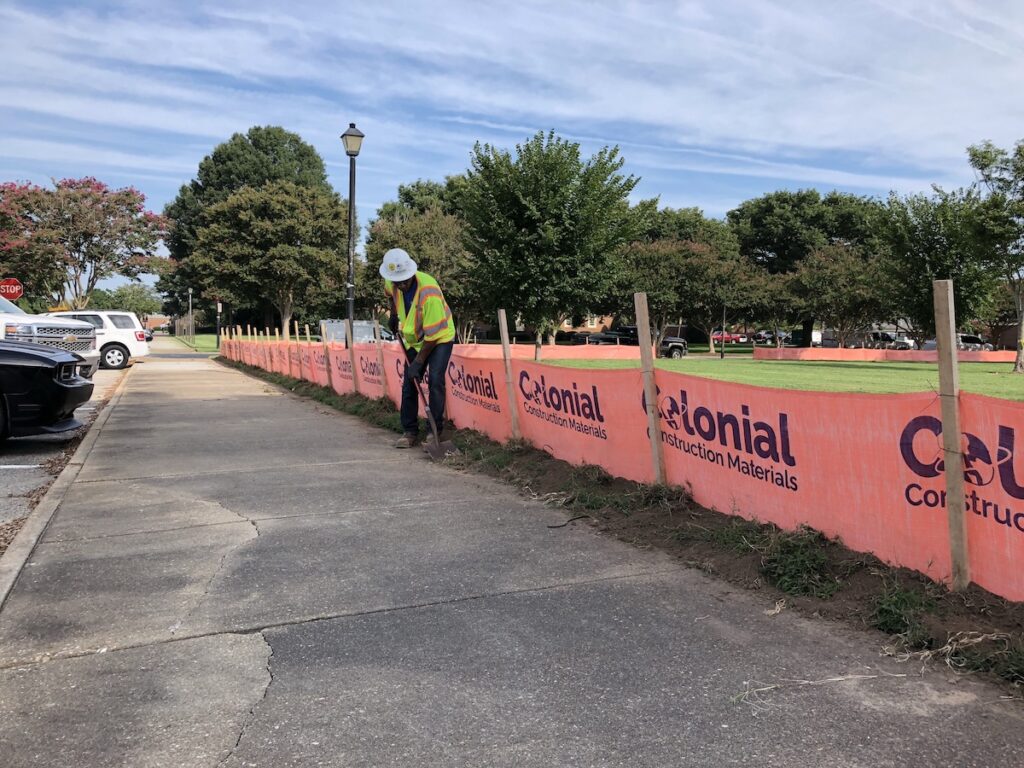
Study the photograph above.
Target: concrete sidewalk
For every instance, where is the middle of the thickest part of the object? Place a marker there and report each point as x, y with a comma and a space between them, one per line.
242, 578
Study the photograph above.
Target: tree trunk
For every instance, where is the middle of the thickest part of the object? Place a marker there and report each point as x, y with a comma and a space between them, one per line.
285, 308
808, 333
538, 345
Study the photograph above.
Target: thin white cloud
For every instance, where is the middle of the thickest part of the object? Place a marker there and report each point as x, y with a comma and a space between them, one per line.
862, 95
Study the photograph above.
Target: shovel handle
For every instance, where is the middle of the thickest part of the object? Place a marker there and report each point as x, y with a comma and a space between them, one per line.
423, 397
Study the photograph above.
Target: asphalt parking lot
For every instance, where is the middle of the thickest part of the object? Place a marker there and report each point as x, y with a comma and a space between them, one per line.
29, 464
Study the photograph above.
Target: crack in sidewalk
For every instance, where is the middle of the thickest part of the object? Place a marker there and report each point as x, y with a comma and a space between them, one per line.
302, 620
216, 571
251, 717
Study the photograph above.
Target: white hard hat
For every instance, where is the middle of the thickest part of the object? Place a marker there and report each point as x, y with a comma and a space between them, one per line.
397, 266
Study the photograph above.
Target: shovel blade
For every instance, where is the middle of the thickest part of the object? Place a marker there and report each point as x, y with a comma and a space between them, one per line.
438, 451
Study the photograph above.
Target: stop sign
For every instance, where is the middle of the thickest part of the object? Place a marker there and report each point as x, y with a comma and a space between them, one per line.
11, 288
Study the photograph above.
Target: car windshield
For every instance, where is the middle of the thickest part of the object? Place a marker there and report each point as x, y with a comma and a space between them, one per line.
10, 307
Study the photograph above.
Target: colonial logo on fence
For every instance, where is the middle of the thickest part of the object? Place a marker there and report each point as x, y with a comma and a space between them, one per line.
476, 389
566, 407
921, 450
371, 370
737, 442
343, 365
320, 359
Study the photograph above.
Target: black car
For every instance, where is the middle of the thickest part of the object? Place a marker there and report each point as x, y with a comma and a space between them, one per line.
674, 347
40, 388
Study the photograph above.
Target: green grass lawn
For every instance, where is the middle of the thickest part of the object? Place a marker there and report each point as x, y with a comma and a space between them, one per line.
993, 379
205, 342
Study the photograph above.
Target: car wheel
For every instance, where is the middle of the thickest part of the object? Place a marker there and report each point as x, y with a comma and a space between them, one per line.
114, 356
676, 353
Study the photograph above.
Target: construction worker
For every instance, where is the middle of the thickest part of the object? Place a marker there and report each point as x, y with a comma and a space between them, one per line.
420, 317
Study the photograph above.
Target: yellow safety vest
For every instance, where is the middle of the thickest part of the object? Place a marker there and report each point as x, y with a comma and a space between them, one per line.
431, 320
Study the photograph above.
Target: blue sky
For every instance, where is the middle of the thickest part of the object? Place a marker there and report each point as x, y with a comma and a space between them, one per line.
710, 102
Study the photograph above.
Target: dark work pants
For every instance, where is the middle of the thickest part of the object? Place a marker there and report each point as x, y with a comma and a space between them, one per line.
437, 367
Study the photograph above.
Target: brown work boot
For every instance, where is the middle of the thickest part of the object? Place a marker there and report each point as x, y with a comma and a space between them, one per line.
408, 440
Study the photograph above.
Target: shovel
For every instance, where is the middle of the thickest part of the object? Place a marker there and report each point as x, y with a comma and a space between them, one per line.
436, 449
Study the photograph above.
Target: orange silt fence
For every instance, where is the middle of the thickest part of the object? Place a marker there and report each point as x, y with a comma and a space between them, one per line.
585, 416
477, 397
341, 369
993, 431
834, 462
369, 371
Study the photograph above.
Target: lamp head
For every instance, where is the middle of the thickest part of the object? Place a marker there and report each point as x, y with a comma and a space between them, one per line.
353, 140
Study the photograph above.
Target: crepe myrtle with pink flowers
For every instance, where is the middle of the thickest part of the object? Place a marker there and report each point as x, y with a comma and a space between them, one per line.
62, 241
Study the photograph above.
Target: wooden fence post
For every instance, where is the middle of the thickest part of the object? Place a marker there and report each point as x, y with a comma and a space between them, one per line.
350, 340
952, 450
327, 354
308, 339
506, 355
643, 329
298, 341
380, 356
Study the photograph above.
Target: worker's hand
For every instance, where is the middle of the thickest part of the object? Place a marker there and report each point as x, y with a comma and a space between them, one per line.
393, 323
415, 370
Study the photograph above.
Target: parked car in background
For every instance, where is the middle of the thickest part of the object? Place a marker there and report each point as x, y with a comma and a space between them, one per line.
362, 331
884, 340
149, 333
673, 345
972, 343
965, 342
40, 388
623, 335
119, 335
68, 335
730, 337
796, 336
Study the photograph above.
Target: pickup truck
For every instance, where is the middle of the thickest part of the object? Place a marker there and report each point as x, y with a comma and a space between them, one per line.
730, 337
57, 333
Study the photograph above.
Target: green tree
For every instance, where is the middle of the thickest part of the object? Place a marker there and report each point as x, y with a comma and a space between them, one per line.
772, 301
780, 229
1001, 174
657, 268
421, 195
278, 242
261, 155
691, 225
938, 237
29, 251
544, 226
131, 297
86, 231
436, 240
713, 286
841, 287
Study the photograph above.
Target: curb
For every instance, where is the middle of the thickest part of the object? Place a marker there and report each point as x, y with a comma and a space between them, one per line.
20, 550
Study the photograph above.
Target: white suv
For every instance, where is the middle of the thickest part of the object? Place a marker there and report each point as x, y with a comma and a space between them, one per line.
119, 335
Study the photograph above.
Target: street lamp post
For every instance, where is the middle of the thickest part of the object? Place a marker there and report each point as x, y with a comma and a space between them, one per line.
353, 141
191, 325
